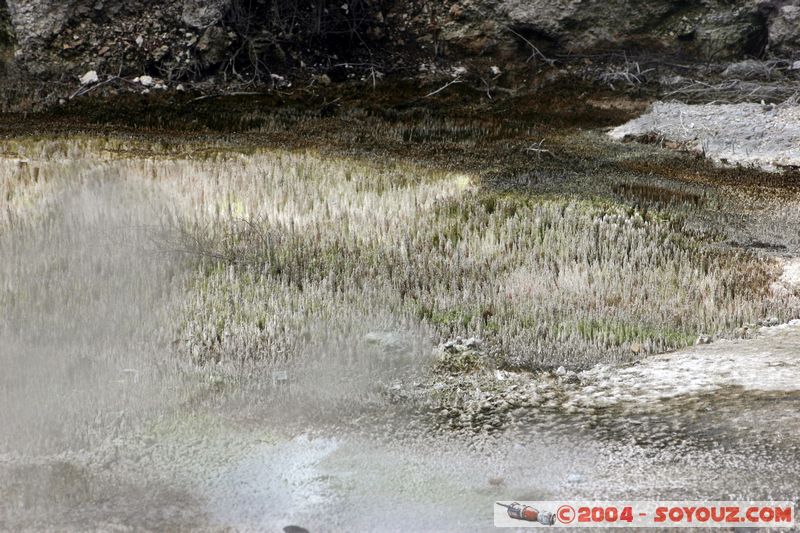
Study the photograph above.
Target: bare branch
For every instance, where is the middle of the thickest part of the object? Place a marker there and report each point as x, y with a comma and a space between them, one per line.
443, 87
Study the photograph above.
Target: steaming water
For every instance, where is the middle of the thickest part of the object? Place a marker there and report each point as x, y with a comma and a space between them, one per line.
103, 427
82, 306
286, 475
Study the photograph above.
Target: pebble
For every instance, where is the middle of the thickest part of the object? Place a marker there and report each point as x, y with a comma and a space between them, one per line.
89, 78
703, 339
574, 478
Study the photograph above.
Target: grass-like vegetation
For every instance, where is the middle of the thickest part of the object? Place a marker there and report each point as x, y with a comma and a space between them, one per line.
294, 253
546, 280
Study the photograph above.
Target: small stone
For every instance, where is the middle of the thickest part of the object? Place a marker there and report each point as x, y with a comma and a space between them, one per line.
89, 78
161, 51
703, 339
574, 478
147, 81
748, 70
472, 342
375, 33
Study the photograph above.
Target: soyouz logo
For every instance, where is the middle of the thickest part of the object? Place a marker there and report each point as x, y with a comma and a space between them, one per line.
604, 514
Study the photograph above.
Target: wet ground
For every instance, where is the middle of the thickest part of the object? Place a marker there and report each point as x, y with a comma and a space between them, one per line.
168, 447
731, 433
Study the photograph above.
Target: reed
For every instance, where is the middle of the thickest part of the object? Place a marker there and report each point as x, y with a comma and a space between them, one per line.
293, 252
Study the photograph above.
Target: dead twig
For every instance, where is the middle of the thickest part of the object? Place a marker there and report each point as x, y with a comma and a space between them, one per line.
535, 52
443, 87
538, 150
732, 91
221, 95
85, 89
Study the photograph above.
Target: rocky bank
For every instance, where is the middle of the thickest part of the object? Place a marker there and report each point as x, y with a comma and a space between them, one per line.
265, 41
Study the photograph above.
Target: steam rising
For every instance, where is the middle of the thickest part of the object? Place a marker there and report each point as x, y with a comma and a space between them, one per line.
83, 342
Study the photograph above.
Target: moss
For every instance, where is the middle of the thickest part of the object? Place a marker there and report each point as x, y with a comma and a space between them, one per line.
618, 333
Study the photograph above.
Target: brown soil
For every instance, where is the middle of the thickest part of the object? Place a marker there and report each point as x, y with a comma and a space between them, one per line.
548, 141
